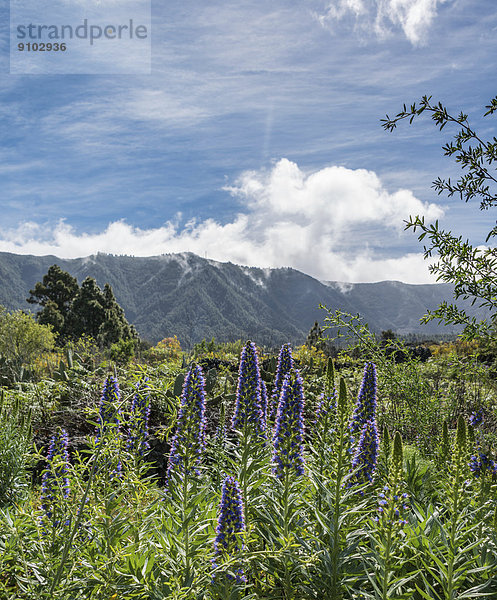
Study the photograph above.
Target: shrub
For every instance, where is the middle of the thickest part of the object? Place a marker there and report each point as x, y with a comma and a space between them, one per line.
22, 339
168, 349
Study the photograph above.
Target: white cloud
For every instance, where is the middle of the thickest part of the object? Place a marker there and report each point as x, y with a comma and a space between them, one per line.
340, 8
335, 224
414, 17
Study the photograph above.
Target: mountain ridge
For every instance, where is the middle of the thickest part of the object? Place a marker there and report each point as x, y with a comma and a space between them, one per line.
195, 297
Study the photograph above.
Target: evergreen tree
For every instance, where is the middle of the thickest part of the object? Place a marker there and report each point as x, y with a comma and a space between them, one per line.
387, 338
73, 311
55, 294
87, 312
387, 335
114, 326
314, 337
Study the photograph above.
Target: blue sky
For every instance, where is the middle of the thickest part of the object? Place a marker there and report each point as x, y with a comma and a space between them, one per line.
255, 138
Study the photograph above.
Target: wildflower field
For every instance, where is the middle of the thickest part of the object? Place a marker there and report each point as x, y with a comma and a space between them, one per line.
248, 475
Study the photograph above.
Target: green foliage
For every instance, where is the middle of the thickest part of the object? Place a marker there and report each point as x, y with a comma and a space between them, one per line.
386, 559
471, 269
222, 350
453, 552
416, 398
387, 336
21, 338
55, 294
307, 537
96, 313
445, 446
22, 342
123, 351
15, 439
386, 446
204, 347
74, 311
397, 457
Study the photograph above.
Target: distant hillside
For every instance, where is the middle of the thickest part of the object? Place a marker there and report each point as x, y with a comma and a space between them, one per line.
194, 297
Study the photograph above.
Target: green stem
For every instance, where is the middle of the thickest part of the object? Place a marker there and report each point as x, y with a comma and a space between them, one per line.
452, 537
186, 527
322, 454
337, 501
107, 525
386, 567
481, 502
244, 474
286, 518
285, 503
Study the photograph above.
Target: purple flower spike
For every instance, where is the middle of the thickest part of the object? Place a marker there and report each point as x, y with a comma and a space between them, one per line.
140, 412
366, 454
54, 481
365, 409
285, 364
189, 439
392, 508
109, 417
264, 405
476, 418
230, 528
248, 408
288, 436
109, 409
481, 464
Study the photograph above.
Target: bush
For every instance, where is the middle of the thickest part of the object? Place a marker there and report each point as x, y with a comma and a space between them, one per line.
168, 349
22, 339
123, 351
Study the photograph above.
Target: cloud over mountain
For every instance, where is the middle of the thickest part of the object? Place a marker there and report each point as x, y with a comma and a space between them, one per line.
334, 223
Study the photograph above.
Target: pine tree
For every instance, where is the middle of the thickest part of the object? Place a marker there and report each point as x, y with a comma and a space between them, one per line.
314, 337
114, 326
87, 311
73, 311
55, 294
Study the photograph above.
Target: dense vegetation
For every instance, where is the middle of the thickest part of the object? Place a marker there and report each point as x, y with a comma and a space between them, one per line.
201, 475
